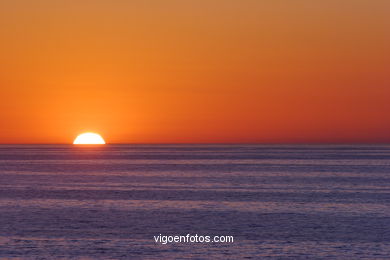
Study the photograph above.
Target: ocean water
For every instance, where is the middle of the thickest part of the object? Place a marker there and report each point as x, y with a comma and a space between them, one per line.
277, 201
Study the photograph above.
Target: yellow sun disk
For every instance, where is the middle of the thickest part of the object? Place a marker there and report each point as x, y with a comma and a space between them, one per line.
89, 138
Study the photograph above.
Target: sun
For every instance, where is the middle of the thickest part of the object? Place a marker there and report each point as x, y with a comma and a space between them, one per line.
89, 138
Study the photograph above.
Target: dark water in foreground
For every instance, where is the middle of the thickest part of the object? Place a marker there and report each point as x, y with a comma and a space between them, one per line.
298, 202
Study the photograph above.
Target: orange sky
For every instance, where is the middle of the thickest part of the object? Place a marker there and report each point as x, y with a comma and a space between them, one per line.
195, 71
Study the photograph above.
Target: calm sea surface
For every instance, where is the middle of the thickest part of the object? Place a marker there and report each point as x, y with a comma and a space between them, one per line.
278, 201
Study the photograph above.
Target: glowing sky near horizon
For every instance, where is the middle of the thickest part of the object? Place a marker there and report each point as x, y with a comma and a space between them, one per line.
195, 71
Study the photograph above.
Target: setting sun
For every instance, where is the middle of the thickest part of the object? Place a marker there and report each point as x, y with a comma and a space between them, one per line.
89, 138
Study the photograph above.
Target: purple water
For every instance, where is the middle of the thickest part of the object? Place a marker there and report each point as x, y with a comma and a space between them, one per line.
278, 201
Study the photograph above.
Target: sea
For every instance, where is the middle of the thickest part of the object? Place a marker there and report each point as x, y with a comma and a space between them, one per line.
274, 201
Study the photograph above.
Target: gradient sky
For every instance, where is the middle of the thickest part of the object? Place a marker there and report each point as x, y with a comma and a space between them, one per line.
195, 71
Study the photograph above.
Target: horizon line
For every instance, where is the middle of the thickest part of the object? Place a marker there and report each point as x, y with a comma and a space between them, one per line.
214, 143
